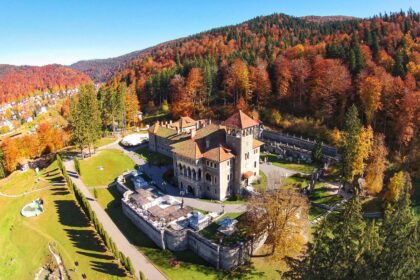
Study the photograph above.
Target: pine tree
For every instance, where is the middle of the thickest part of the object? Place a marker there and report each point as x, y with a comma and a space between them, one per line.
77, 166
2, 165
317, 151
399, 69
352, 129
400, 258
337, 248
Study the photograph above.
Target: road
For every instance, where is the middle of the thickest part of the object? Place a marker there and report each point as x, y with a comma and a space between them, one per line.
140, 262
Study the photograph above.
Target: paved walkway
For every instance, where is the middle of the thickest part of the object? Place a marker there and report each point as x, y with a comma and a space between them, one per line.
140, 262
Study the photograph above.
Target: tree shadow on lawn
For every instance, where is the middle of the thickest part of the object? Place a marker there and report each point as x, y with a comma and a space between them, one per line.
69, 214
108, 268
86, 239
60, 191
95, 255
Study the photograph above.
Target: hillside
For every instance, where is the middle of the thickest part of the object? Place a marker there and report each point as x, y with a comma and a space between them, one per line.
101, 70
307, 68
20, 81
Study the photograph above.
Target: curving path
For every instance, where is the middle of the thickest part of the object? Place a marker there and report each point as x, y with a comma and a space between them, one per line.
24, 193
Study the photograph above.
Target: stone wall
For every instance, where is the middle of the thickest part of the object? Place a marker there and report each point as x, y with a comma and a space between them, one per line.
222, 257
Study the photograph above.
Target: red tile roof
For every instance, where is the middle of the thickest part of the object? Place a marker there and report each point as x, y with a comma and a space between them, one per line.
218, 154
240, 120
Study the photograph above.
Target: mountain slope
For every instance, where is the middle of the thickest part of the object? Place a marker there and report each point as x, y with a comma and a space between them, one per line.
302, 67
20, 81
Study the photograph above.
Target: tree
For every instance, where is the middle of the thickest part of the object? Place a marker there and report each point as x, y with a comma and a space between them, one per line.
317, 151
370, 95
376, 165
11, 154
283, 215
352, 129
77, 166
85, 118
130, 266
395, 186
400, 257
331, 81
363, 149
194, 89
237, 81
338, 244
142, 276
2, 164
283, 76
132, 107
260, 83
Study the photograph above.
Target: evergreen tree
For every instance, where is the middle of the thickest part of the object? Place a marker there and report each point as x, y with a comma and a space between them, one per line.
85, 117
2, 166
352, 129
399, 69
400, 258
337, 248
77, 165
317, 151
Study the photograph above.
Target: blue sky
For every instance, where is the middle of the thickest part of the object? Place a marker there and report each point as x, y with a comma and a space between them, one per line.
36, 32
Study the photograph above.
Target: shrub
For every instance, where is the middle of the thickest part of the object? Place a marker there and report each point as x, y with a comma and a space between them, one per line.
77, 166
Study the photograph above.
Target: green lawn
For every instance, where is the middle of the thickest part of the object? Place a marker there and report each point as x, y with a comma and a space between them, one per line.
153, 157
299, 167
24, 241
191, 267
113, 163
261, 184
105, 141
19, 182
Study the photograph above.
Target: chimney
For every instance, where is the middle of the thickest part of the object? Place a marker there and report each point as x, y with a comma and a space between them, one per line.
170, 121
209, 121
193, 131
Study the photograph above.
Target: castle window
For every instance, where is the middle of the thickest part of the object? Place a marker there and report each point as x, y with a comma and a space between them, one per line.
247, 155
228, 162
228, 177
255, 164
208, 177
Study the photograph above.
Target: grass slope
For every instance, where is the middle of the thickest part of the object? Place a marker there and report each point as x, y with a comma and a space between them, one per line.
24, 241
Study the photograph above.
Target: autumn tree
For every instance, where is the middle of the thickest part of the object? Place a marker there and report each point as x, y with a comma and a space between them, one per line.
11, 153
260, 84
282, 214
132, 107
395, 186
370, 95
376, 165
331, 81
194, 89
283, 77
237, 81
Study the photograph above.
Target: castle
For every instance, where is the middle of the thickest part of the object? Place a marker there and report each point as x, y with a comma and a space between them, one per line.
210, 160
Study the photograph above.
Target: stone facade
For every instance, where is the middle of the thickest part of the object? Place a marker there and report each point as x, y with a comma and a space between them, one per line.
211, 160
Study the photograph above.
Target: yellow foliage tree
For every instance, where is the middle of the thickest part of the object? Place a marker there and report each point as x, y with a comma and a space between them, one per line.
396, 184
376, 166
283, 215
364, 145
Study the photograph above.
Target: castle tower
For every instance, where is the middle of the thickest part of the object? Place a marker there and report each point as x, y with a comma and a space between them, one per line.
240, 129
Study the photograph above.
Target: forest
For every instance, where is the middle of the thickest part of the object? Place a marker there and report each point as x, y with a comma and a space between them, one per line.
17, 82
295, 74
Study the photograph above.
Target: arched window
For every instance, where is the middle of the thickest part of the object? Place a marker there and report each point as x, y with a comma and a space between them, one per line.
199, 174
208, 177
